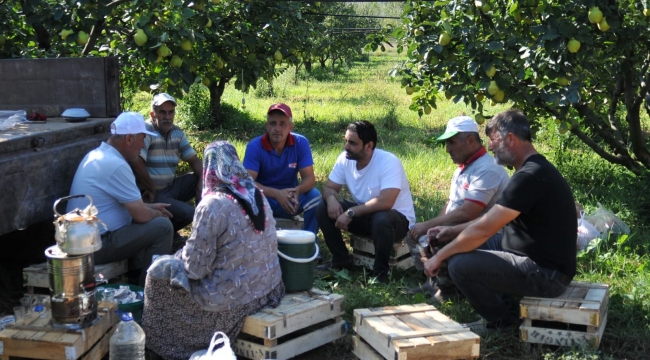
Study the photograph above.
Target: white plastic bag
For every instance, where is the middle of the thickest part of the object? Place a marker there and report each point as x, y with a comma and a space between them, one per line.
605, 220
586, 232
9, 118
222, 353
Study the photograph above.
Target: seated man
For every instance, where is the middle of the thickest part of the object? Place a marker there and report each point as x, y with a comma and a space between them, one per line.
382, 206
134, 230
476, 185
274, 161
155, 169
537, 214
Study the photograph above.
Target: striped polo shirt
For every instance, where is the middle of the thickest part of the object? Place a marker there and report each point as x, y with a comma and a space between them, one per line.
162, 154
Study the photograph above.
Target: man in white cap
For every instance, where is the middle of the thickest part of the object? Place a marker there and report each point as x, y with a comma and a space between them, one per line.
134, 230
274, 161
155, 169
476, 185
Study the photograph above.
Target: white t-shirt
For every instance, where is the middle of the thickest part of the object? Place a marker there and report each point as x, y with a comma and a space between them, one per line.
107, 178
385, 171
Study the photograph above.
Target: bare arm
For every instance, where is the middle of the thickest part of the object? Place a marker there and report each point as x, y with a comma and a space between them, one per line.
142, 213
331, 192
307, 180
468, 211
472, 236
383, 202
268, 191
197, 166
142, 177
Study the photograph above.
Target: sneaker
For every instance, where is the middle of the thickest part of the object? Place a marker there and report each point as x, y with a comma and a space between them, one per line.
483, 328
446, 294
383, 278
335, 266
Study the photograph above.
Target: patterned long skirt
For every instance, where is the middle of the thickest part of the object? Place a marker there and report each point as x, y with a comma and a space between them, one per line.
176, 326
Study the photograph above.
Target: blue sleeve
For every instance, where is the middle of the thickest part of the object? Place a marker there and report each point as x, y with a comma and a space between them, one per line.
121, 185
251, 157
304, 154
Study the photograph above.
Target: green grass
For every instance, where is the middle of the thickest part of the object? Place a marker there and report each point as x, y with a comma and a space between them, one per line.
324, 102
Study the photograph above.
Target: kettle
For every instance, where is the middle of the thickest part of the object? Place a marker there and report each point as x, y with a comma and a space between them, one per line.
77, 232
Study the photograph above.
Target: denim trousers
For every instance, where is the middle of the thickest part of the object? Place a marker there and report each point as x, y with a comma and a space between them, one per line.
491, 280
307, 206
384, 228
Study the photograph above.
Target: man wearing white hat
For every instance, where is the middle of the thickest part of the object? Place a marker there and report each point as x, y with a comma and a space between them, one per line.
155, 169
134, 230
476, 185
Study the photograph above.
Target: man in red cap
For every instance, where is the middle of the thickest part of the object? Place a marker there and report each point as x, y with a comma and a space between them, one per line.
275, 159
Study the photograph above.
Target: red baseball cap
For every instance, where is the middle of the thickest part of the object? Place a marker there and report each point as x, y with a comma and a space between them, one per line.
286, 110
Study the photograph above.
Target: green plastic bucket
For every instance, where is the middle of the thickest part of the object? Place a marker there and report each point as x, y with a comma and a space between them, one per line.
297, 251
135, 308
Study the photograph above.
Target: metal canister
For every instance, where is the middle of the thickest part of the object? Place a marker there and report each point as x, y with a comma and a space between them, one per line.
72, 288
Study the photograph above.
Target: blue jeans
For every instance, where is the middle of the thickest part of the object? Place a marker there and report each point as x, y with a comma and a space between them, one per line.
490, 280
308, 202
384, 227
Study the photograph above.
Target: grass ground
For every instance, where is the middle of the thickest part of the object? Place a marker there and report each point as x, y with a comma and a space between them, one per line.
324, 102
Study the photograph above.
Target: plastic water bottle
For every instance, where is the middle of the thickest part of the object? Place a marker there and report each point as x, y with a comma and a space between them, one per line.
127, 343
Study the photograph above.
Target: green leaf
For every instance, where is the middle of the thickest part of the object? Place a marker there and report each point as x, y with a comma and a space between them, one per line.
187, 13
495, 46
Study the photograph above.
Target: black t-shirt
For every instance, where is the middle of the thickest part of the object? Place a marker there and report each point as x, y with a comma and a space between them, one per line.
546, 230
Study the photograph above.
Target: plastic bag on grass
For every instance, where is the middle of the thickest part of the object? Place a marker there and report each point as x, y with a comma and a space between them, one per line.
604, 220
586, 232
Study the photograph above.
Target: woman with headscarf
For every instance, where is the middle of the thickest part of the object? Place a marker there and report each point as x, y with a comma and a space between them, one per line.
227, 270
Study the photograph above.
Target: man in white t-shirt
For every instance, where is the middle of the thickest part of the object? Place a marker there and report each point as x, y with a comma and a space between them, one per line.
134, 230
476, 186
382, 206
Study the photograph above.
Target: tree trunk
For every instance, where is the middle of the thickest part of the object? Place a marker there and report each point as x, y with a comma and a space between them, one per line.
322, 62
216, 91
308, 66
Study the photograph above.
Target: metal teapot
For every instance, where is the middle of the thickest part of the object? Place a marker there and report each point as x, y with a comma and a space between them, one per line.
77, 232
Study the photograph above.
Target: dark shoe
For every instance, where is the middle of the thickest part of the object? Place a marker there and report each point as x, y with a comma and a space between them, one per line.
382, 278
427, 288
446, 294
335, 266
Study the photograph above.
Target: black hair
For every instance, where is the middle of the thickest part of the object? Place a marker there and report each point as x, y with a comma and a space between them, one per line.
365, 131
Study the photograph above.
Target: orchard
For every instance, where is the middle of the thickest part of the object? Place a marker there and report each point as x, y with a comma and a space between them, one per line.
583, 65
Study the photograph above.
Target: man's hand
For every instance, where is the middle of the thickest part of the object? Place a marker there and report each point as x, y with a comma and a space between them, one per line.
160, 207
334, 209
288, 199
343, 221
199, 190
441, 235
148, 196
418, 230
432, 266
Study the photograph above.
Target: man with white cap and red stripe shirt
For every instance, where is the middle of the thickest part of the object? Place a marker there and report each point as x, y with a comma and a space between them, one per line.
476, 186
275, 159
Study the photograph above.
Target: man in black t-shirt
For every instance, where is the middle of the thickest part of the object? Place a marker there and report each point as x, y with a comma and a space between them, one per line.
537, 213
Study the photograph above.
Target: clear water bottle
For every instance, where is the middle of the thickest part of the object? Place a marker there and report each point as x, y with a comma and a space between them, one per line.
127, 343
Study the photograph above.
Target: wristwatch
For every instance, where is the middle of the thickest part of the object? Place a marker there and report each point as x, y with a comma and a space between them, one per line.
350, 213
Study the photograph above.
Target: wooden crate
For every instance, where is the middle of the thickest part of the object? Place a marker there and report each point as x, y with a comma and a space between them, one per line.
363, 253
37, 339
302, 322
37, 275
296, 223
412, 332
577, 317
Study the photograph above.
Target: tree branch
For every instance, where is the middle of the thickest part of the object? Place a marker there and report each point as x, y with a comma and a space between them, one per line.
116, 3
633, 117
613, 123
92, 39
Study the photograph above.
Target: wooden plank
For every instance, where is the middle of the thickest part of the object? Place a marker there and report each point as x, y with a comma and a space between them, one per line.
402, 333
291, 348
581, 305
557, 337
288, 224
295, 312
362, 260
364, 351
101, 348
365, 244
37, 275
112, 85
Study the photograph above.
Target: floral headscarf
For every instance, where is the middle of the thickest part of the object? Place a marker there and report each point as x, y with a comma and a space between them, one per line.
222, 170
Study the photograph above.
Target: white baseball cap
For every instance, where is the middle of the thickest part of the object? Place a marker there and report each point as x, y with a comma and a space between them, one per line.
130, 123
162, 98
457, 125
